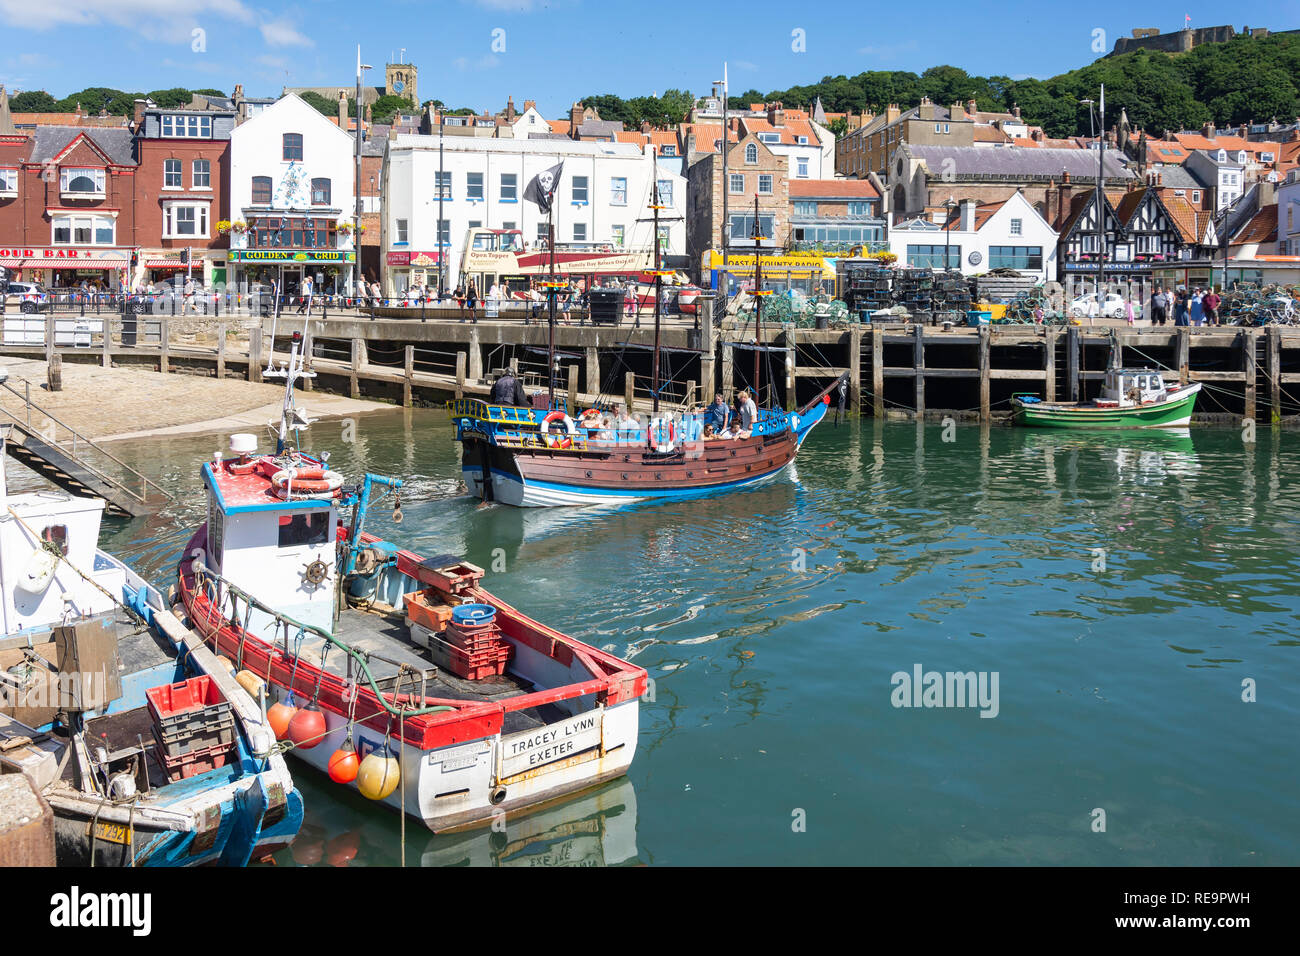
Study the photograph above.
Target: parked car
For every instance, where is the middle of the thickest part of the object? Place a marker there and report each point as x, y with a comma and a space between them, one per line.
31, 297
1086, 306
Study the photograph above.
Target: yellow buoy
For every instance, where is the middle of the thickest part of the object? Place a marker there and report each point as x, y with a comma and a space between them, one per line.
378, 776
251, 683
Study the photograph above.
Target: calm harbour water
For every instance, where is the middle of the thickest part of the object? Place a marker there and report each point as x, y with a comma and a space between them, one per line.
1119, 688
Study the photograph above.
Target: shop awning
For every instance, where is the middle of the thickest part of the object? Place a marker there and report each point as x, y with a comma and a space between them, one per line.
164, 264
12, 263
88, 263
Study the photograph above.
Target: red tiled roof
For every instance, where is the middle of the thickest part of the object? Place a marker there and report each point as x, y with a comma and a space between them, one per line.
789, 133
990, 134
1194, 141
1261, 228
1189, 220
707, 135
559, 126
832, 189
1166, 151
983, 212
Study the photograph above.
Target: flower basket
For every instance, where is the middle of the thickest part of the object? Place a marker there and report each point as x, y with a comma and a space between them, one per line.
238, 226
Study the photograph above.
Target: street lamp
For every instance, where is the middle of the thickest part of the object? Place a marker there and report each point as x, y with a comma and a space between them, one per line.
356, 222
948, 204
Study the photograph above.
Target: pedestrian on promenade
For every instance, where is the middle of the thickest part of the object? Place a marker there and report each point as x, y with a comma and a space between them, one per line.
471, 299
1211, 305
304, 303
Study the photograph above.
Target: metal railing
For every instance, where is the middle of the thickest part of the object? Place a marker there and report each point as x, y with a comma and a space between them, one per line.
77, 445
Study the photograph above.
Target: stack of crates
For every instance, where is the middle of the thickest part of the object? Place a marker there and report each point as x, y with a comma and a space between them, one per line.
193, 726
914, 290
951, 294
464, 639
865, 287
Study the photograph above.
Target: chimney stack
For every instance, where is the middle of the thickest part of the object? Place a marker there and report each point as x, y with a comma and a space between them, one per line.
971, 108
343, 109
891, 113
137, 115
530, 105
575, 119
776, 114
967, 215
1208, 131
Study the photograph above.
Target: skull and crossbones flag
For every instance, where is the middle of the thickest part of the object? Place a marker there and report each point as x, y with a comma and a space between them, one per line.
541, 189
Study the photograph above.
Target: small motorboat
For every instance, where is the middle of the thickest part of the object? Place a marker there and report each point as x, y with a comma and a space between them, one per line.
1130, 398
395, 673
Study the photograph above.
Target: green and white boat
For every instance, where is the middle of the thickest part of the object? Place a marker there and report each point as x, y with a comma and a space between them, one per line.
1130, 398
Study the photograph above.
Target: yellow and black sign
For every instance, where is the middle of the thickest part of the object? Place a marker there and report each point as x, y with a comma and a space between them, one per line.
291, 255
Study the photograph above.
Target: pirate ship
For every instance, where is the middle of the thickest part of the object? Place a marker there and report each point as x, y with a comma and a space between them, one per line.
543, 456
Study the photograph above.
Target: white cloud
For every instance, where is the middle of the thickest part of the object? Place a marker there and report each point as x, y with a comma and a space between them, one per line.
486, 62
282, 32
152, 18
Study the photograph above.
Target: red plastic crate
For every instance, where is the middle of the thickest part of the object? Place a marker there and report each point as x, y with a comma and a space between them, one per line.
171, 699
471, 665
194, 762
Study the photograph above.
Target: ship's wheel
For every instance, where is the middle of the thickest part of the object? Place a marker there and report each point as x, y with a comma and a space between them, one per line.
316, 573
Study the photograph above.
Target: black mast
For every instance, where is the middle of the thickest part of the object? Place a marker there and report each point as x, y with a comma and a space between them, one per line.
550, 343
758, 293
659, 284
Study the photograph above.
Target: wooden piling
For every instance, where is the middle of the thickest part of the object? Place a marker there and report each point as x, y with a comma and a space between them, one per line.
1249, 369
985, 340
629, 389
1049, 364
106, 343
358, 360
408, 375
855, 367
255, 354
221, 350
475, 356
918, 366
164, 334
728, 370
877, 371
462, 362
790, 368
49, 337
1273, 341
592, 363
1072, 362
1183, 359
572, 392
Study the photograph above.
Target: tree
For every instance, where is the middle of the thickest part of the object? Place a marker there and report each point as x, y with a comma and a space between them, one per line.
677, 105
839, 126
322, 104
34, 101
175, 98
388, 106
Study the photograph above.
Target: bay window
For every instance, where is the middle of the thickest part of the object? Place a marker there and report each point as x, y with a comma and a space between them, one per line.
83, 230
81, 183
185, 220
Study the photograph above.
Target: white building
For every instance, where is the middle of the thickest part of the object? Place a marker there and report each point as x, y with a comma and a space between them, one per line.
601, 201
979, 237
1288, 215
291, 183
1221, 170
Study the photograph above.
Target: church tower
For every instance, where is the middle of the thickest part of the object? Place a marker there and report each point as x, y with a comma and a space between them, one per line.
400, 80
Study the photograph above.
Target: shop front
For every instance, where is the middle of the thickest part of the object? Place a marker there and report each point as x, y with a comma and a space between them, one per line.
806, 272
1132, 280
67, 267
411, 270
330, 270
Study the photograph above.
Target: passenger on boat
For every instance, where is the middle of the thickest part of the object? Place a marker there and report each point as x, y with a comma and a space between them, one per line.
709, 434
737, 432
627, 428
746, 410
508, 390
717, 414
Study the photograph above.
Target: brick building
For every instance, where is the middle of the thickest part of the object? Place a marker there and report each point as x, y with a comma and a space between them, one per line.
868, 148
68, 205
753, 171
182, 187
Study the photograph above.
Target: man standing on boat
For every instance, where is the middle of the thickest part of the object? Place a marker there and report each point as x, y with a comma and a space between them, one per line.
746, 410
717, 414
508, 390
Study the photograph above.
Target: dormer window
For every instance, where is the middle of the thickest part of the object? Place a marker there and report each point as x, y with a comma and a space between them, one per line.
189, 127
1223, 155
1266, 157
82, 183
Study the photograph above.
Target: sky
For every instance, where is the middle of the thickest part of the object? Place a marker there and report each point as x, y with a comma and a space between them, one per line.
476, 52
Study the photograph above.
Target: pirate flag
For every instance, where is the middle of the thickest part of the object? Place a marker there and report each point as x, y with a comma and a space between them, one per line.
541, 189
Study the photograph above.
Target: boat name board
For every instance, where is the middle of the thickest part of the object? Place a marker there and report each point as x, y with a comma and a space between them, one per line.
533, 748
457, 758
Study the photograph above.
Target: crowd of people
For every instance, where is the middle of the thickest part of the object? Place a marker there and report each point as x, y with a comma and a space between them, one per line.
1186, 307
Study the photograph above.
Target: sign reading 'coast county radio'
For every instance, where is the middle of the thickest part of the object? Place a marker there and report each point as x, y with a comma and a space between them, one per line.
534, 748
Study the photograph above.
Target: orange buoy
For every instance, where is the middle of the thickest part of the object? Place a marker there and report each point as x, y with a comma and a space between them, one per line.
343, 764
378, 776
307, 727
279, 715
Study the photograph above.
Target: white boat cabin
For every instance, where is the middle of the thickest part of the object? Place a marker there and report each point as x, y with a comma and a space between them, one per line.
1128, 387
39, 590
281, 552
